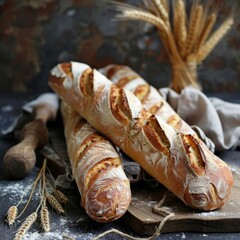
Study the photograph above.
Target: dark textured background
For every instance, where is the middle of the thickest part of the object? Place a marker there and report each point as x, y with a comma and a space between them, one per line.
35, 35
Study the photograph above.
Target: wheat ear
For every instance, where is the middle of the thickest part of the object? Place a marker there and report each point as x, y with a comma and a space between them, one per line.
176, 14
60, 197
54, 203
207, 29
165, 4
13, 211
25, 226
180, 25
195, 20
214, 39
45, 220
145, 16
11, 215
162, 11
44, 213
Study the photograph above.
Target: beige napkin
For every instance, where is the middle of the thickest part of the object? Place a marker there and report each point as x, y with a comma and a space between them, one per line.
218, 119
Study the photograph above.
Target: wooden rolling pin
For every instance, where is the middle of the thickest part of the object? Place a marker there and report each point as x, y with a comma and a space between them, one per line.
20, 159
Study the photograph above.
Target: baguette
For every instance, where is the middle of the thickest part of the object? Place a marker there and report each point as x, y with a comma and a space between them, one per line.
178, 161
97, 169
151, 99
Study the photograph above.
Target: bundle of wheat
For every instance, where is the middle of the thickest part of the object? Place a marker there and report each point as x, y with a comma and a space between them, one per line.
187, 38
46, 196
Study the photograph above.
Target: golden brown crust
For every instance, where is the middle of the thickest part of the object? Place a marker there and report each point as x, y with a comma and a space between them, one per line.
208, 170
97, 169
149, 96
179, 161
124, 80
175, 121
112, 70
119, 106
142, 91
56, 80
67, 68
154, 108
156, 135
86, 82
123, 104
86, 144
93, 173
196, 159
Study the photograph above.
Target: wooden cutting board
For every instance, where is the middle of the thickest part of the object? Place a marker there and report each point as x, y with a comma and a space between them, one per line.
142, 219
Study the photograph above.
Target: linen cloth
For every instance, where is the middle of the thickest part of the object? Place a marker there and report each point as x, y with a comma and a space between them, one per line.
219, 120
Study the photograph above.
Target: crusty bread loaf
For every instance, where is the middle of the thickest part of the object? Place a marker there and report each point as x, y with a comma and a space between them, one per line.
178, 161
97, 169
124, 77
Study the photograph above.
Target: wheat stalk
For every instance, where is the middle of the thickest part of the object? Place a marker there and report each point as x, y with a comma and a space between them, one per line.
32, 191
60, 197
44, 213
54, 203
182, 77
195, 20
11, 215
150, 18
25, 226
214, 39
188, 44
176, 14
163, 27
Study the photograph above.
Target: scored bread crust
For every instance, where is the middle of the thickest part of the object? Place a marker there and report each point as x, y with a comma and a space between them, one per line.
179, 161
96, 167
124, 77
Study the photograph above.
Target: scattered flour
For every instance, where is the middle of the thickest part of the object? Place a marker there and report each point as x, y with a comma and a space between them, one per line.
5, 122
183, 236
11, 192
42, 236
211, 214
56, 235
7, 108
